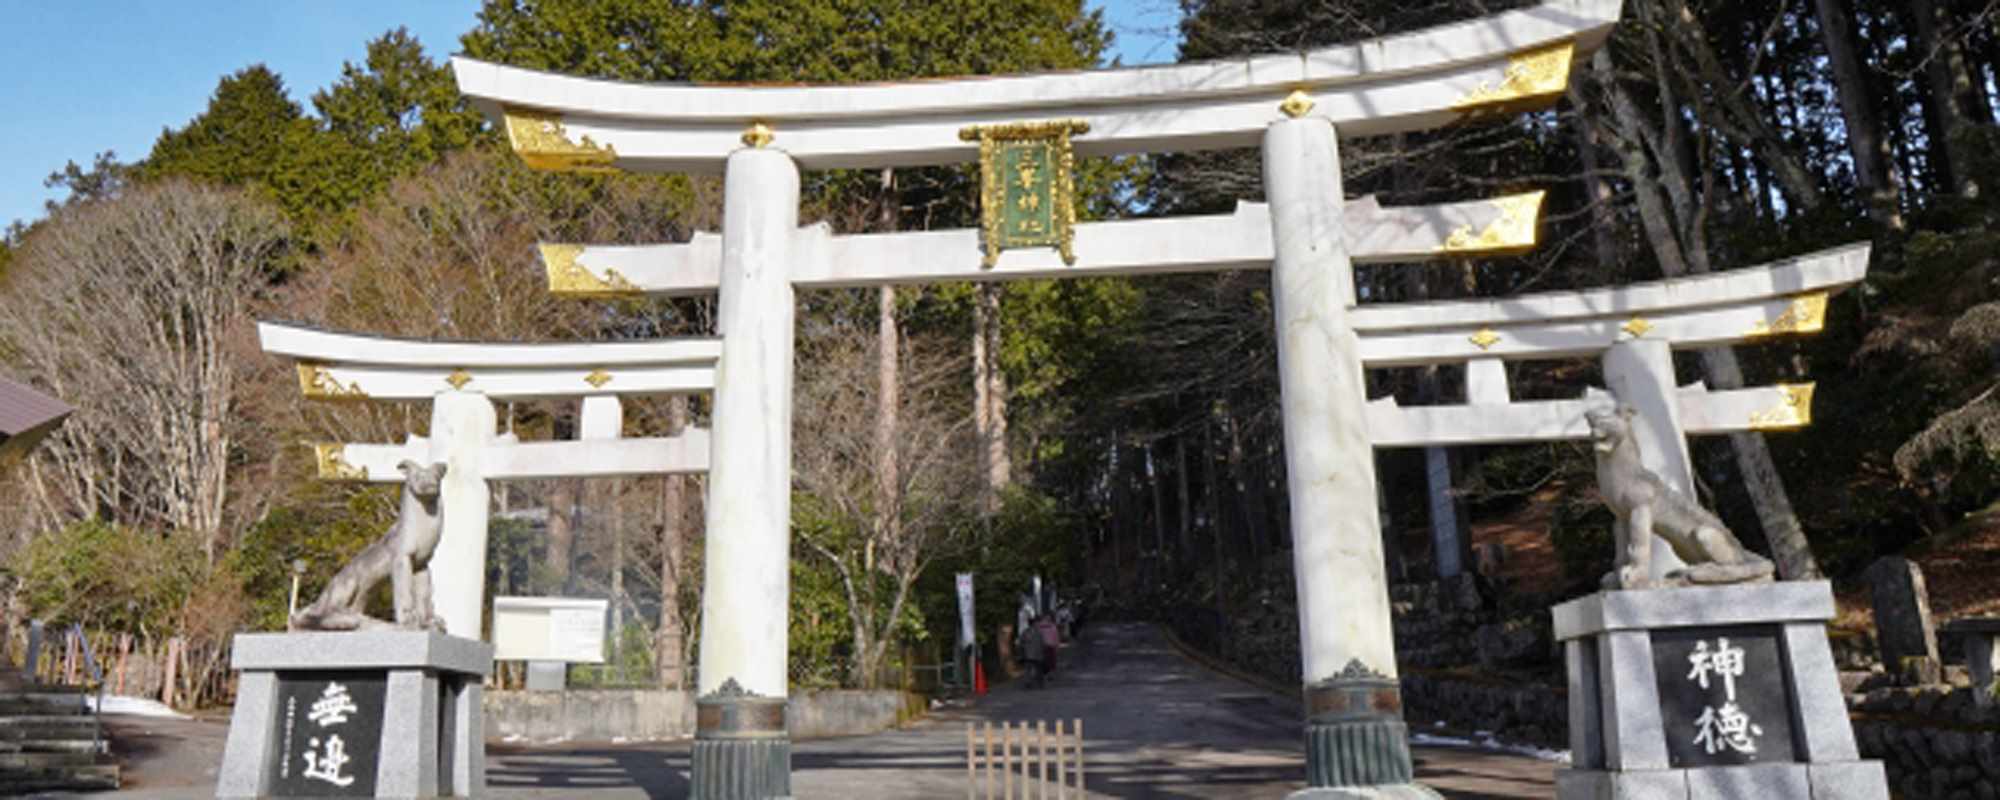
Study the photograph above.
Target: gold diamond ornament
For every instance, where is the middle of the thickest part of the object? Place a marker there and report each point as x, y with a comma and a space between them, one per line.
1297, 104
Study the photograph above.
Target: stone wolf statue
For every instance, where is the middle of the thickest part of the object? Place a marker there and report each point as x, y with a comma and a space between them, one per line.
1646, 506
403, 555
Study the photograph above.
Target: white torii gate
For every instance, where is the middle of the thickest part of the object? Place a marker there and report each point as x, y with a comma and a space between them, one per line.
461, 379
1290, 105
1634, 330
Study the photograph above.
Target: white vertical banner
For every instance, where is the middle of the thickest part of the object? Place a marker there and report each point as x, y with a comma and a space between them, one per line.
965, 624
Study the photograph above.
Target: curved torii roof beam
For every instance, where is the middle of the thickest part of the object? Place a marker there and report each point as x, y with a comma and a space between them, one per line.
1415, 81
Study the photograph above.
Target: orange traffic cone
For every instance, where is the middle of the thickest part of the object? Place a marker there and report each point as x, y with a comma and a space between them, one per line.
978, 678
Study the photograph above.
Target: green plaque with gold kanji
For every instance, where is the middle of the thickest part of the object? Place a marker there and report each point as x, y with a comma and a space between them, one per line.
1026, 186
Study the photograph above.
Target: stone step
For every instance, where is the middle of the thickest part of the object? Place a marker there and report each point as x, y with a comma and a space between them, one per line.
90, 777
29, 727
10, 762
42, 704
83, 745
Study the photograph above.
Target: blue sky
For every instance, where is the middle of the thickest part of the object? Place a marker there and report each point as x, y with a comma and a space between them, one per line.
85, 77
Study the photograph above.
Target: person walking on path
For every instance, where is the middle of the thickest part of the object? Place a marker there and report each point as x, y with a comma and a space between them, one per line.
1051, 638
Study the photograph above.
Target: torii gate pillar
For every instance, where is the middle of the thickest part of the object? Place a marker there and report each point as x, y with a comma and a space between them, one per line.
741, 747
462, 426
1355, 736
1640, 373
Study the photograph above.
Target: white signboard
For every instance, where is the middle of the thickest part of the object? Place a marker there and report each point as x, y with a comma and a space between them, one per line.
566, 629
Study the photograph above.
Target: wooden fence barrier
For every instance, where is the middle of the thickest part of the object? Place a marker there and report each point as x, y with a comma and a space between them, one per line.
1025, 750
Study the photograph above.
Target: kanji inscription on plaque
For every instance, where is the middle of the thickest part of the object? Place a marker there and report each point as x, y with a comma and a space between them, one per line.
1723, 698
329, 734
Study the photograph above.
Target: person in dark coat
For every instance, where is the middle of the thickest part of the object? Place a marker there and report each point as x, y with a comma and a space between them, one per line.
1034, 651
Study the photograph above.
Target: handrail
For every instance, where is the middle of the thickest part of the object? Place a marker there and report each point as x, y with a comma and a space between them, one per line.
96, 674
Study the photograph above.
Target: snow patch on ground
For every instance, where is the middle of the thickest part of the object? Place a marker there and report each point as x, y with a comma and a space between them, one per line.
1484, 740
134, 706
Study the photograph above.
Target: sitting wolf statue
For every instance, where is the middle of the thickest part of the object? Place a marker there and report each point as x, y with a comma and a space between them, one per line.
1646, 507
403, 555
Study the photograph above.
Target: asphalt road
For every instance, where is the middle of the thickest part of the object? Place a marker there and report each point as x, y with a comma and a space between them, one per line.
1156, 725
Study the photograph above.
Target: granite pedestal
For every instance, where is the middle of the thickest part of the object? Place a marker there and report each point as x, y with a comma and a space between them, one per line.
1708, 692
1980, 639
392, 714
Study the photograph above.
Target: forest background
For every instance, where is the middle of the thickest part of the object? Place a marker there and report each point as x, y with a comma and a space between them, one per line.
1119, 436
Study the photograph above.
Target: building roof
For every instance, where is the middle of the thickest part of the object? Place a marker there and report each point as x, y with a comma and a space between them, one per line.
23, 409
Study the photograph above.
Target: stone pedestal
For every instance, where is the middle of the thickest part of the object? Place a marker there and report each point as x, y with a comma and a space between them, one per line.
356, 714
1708, 692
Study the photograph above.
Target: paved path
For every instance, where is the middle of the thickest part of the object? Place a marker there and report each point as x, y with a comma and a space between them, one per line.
1155, 726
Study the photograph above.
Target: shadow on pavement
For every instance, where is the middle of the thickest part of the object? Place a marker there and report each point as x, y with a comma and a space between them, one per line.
661, 775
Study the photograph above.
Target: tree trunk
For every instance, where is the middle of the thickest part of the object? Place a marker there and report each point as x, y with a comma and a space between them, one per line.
1185, 541
888, 398
1117, 522
1253, 529
562, 532
1735, 116
669, 653
1949, 105
982, 421
1159, 502
1213, 482
888, 389
615, 518
990, 396
1874, 165
1603, 221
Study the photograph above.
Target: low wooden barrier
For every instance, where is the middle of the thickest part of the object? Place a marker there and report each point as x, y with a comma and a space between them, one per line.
992, 762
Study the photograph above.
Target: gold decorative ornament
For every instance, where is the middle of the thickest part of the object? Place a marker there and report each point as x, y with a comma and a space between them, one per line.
1794, 411
597, 378
316, 383
1636, 327
458, 378
538, 137
1806, 314
1297, 104
1512, 232
1534, 80
569, 278
333, 464
1485, 338
758, 135
1027, 185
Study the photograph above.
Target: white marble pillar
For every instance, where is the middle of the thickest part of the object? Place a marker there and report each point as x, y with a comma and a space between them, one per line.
1640, 373
603, 417
462, 427
1355, 735
745, 599
1329, 462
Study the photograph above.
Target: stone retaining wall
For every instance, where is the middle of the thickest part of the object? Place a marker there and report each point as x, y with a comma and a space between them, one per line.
1517, 713
638, 715
1935, 742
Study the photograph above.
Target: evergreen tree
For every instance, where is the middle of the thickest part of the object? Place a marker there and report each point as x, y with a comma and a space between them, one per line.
241, 138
